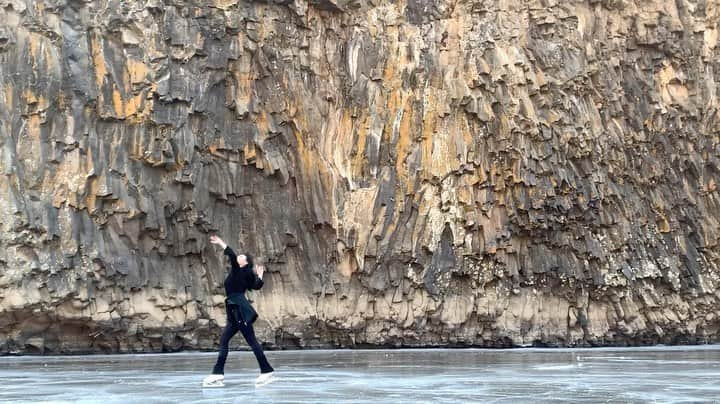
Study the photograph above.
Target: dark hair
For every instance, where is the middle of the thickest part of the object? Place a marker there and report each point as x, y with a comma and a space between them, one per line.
249, 259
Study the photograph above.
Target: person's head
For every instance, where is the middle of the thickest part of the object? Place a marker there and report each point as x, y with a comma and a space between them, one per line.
244, 259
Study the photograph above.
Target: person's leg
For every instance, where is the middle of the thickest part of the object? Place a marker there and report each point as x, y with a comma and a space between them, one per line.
230, 330
249, 334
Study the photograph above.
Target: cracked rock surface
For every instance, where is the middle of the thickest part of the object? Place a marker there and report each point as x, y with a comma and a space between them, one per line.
412, 173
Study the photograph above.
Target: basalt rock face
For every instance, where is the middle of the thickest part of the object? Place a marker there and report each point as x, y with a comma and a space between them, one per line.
412, 173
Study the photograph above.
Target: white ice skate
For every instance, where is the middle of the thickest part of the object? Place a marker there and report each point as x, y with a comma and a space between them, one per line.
265, 378
214, 381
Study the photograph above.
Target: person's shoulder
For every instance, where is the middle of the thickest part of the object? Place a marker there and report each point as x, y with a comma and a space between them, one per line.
247, 270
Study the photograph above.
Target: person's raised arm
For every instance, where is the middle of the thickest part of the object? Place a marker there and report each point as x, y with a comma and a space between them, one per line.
218, 241
227, 250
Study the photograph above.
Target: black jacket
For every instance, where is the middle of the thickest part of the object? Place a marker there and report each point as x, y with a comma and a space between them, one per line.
239, 280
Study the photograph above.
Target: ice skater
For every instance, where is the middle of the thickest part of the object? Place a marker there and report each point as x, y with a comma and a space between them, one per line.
240, 314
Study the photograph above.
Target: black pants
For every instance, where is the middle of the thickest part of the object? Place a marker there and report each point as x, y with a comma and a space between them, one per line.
235, 324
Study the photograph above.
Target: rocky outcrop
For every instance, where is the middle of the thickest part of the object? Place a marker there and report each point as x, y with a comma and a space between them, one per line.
412, 173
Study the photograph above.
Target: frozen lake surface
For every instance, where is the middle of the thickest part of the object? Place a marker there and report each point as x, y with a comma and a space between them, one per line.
608, 375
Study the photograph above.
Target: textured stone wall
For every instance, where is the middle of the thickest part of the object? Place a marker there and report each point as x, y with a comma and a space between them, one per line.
413, 173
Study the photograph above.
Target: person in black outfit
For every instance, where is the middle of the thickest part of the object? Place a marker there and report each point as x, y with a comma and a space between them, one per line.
240, 313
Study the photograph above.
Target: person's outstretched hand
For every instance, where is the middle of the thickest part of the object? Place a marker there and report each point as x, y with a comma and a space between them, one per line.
217, 240
260, 270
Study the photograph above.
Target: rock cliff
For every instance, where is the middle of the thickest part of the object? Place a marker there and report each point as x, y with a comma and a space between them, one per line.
412, 172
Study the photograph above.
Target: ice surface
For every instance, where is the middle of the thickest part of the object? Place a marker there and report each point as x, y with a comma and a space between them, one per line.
612, 375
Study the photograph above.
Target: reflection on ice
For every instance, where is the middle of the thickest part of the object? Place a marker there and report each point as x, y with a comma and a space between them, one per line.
664, 374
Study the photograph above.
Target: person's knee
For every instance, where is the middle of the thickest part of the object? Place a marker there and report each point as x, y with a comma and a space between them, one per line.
247, 331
